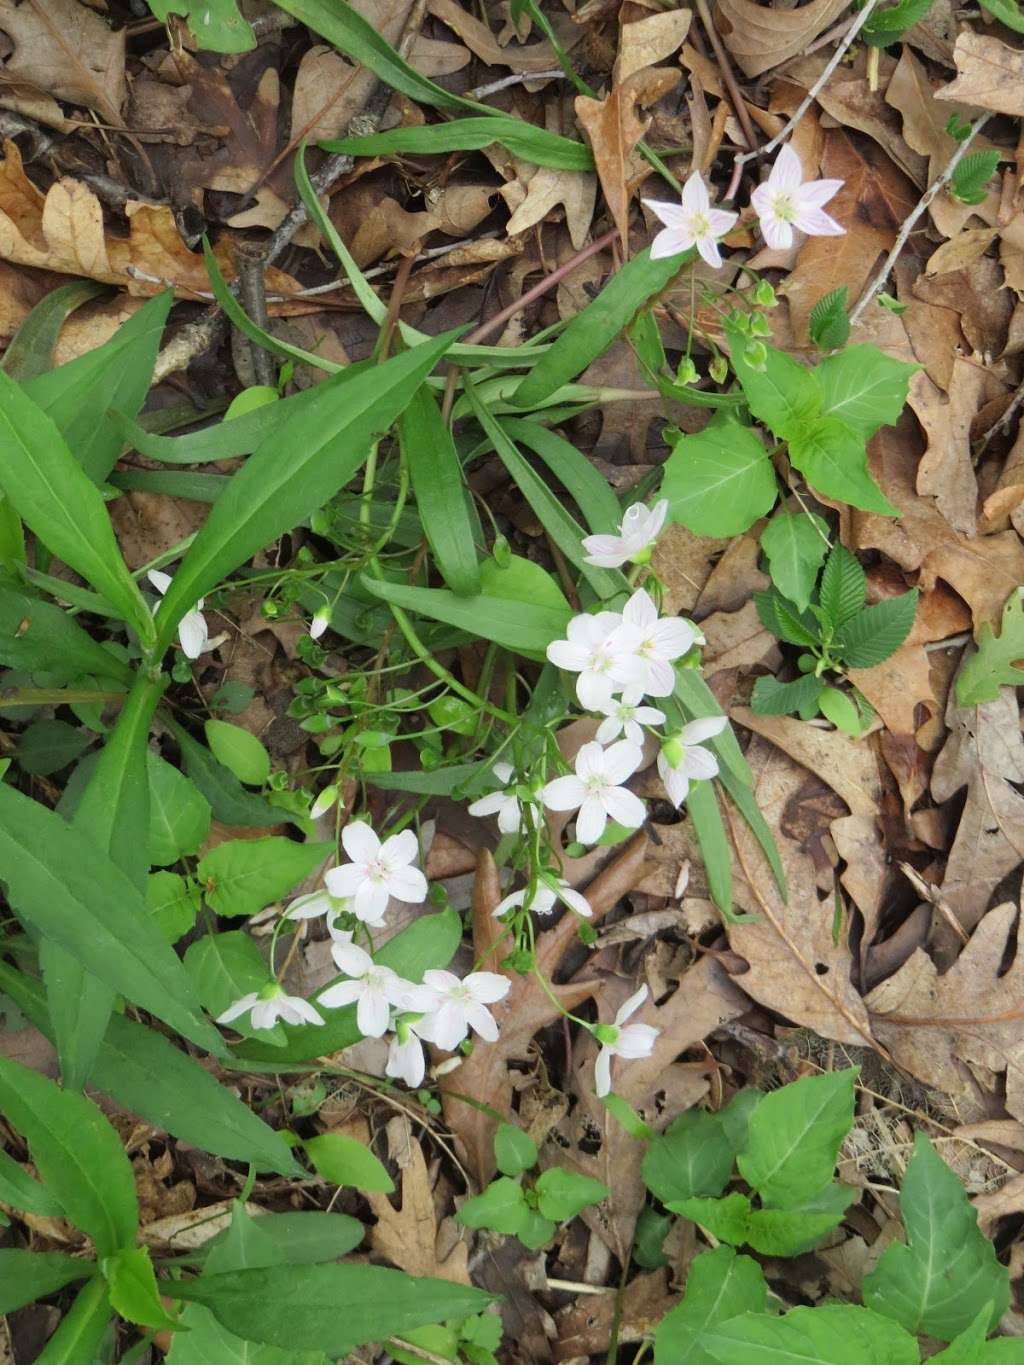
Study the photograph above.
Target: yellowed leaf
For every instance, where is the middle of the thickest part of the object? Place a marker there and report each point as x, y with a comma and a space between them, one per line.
647, 41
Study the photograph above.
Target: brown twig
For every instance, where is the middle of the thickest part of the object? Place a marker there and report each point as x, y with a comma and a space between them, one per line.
725, 69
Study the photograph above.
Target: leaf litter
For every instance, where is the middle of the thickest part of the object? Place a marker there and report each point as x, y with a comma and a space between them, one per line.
124, 144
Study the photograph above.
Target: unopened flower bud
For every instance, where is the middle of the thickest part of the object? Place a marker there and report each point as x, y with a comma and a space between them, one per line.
320, 622
719, 369
323, 802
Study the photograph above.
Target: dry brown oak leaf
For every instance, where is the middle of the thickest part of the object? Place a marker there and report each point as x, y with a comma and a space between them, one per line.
410, 1236
63, 230
760, 37
67, 50
484, 1075
990, 74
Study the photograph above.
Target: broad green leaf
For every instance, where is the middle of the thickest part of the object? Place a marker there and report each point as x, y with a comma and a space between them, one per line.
720, 1285
777, 614
12, 537
82, 1329
800, 697
591, 332
877, 632
795, 546
70, 890
794, 1137
241, 876
223, 968
514, 1150
784, 395
76, 1152
429, 941
239, 751
440, 491
833, 459
230, 802
113, 813
79, 395
562, 1194
470, 134
563, 528
727, 1219
719, 481
791, 1232
131, 1281
864, 387
55, 498
46, 746
501, 1207
179, 814
994, 664
588, 488
843, 587
206, 1342
343, 1160
831, 1334
692, 1157
30, 351
216, 25
970, 1346
837, 707
330, 1308
173, 902
307, 1238
948, 1271
887, 25
29, 1275
144, 1072
283, 482
512, 621
18, 1189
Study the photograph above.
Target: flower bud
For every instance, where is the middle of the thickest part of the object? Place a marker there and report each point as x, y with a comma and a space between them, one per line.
673, 750
719, 369
764, 295
323, 802
687, 372
606, 1034
320, 622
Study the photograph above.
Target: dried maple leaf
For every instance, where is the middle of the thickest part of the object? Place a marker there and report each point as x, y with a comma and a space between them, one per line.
614, 129
528, 1007
990, 74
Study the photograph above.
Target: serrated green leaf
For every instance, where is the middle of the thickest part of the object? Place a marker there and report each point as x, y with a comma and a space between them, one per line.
886, 26
795, 546
948, 1271
1008, 12
772, 698
828, 324
843, 587
720, 1285
785, 396
833, 459
831, 1334
780, 617
870, 637
995, 663
971, 177
719, 481
691, 1158
865, 388
76, 1152
794, 1137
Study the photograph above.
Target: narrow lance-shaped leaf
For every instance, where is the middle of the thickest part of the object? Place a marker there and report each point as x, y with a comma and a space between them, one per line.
522, 139
30, 351
113, 813
440, 490
56, 499
143, 1071
593, 330
40, 637
282, 483
66, 888
77, 1153
29, 1275
80, 1334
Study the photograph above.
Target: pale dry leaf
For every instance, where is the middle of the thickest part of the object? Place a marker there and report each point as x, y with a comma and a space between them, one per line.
737, 639
961, 250
946, 471
25, 98
946, 1029
759, 37
867, 874
67, 50
897, 687
794, 965
324, 99
614, 128
540, 189
976, 292
586, 1325
847, 765
410, 1236
647, 41
539, 56
990, 75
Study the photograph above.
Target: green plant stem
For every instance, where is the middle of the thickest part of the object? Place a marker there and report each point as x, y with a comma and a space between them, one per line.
55, 696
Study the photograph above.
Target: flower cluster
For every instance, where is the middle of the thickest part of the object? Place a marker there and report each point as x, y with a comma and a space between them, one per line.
783, 202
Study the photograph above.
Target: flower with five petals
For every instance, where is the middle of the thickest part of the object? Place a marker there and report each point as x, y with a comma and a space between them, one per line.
683, 759
595, 790
373, 989
265, 1007
693, 222
620, 1039
638, 531
377, 872
786, 201
451, 1007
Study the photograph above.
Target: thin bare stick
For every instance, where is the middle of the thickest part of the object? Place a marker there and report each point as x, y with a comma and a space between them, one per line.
725, 68
815, 89
518, 78
916, 213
